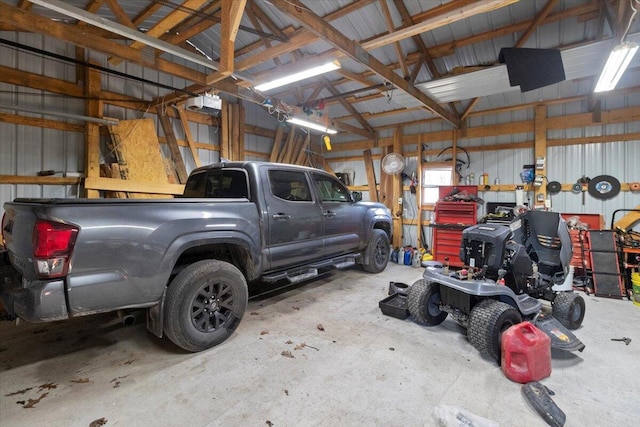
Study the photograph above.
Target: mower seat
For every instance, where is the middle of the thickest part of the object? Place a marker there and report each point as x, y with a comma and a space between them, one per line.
546, 239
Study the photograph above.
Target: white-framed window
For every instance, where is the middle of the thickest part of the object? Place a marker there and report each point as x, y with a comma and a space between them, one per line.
432, 178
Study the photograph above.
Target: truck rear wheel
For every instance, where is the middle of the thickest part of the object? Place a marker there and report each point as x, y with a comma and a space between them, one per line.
204, 304
487, 321
424, 303
376, 254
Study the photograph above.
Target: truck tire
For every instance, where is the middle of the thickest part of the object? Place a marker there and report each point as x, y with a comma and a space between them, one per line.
376, 254
487, 321
204, 304
568, 308
424, 301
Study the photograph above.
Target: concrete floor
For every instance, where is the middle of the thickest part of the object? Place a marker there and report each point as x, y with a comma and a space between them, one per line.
364, 368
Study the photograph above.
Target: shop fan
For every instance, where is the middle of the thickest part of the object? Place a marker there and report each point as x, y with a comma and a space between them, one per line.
393, 164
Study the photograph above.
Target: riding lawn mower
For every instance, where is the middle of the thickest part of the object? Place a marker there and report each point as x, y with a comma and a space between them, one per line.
509, 269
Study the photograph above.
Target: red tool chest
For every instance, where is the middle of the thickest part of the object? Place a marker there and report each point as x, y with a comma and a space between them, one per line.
450, 219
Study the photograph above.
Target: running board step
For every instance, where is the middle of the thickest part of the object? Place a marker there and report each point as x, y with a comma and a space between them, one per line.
310, 271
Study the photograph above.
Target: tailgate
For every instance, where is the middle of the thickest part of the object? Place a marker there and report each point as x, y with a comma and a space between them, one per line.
17, 232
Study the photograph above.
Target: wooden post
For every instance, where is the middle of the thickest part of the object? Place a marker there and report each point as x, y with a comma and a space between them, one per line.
371, 176
540, 151
174, 149
396, 212
225, 152
92, 130
277, 144
189, 137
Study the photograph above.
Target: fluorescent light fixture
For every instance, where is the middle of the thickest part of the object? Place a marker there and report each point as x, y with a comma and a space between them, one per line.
618, 61
311, 125
300, 75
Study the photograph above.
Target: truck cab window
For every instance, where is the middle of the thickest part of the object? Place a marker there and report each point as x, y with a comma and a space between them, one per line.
226, 183
288, 185
331, 190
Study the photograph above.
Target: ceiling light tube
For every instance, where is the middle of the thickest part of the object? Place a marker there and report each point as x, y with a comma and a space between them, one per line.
618, 61
311, 125
301, 75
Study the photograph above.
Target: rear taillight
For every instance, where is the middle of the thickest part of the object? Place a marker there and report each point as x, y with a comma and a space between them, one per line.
52, 245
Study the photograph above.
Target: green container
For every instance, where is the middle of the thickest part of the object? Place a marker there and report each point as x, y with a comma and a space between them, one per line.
635, 281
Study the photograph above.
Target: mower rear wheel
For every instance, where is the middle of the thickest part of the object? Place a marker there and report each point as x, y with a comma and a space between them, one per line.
568, 308
424, 303
487, 321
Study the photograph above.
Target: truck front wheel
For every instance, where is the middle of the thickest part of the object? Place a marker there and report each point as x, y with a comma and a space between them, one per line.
204, 304
376, 254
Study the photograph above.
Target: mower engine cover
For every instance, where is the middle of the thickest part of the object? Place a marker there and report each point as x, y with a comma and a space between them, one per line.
484, 244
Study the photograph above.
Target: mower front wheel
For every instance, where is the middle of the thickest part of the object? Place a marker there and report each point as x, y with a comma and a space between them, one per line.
568, 308
424, 303
487, 321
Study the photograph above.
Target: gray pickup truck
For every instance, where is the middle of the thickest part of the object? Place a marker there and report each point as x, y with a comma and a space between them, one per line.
188, 260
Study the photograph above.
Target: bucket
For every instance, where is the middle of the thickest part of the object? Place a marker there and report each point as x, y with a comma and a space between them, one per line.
635, 282
526, 353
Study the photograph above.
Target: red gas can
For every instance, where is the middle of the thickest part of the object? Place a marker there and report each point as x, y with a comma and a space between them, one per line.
526, 353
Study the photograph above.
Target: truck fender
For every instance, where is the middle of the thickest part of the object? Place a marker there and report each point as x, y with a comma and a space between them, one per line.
184, 243
155, 314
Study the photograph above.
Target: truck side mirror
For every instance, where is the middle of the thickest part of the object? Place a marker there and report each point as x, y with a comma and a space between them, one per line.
357, 196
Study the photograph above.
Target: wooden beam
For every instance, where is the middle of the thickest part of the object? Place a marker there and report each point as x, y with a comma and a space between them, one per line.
232, 11
189, 137
397, 194
94, 108
167, 22
277, 144
174, 150
464, 12
110, 184
356, 52
371, 176
537, 21
350, 108
39, 180
39, 122
391, 27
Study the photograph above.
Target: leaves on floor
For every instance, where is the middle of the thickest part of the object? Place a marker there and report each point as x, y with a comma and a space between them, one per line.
295, 307
129, 362
286, 392
32, 402
23, 391
265, 332
254, 313
288, 354
288, 342
320, 327
80, 380
48, 386
99, 422
269, 423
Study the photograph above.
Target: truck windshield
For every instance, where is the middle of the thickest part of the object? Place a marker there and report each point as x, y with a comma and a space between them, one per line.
217, 183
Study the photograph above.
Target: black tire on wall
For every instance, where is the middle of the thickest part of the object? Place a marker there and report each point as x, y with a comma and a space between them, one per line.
423, 300
376, 254
569, 309
487, 321
204, 304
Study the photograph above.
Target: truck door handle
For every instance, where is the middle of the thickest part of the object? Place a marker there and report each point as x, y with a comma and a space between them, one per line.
329, 213
281, 215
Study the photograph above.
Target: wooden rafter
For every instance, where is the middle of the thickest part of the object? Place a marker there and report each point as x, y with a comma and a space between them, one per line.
540, 17
232, 11
353, 50
351, 109
165, 24
396, 45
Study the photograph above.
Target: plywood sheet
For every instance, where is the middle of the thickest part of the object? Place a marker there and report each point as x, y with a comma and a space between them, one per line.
135, 145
